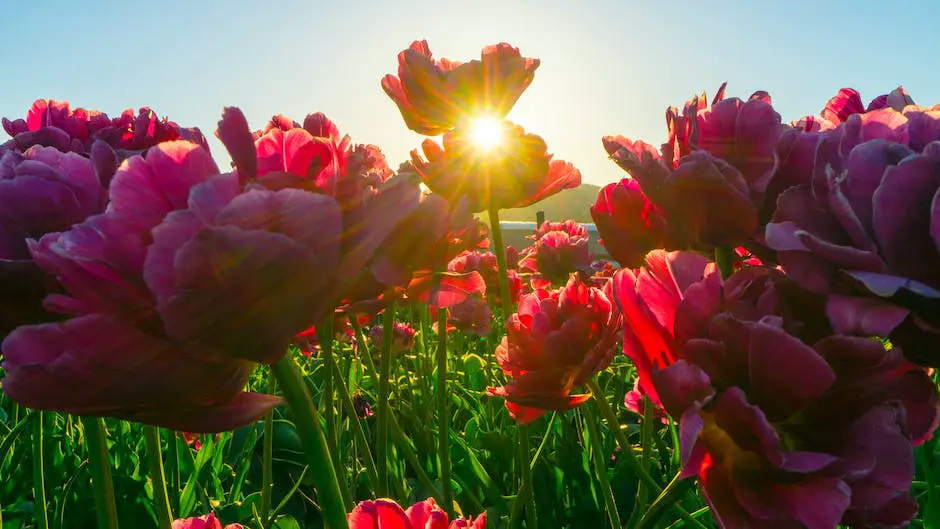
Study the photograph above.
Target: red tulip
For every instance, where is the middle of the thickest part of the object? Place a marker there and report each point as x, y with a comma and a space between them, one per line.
629, 224
55, 124
433, 95
485, 264
516, 173
556, 341
208, 521
560, 248
386, 514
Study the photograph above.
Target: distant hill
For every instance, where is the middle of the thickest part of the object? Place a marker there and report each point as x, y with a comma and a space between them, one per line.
572, 204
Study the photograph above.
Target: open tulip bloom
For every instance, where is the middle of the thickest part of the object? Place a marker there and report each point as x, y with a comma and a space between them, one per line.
774, 286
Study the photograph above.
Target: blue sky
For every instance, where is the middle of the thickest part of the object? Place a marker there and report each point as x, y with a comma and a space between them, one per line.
608, 67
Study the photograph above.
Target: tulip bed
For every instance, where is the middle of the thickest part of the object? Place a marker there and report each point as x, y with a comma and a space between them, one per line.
313, 339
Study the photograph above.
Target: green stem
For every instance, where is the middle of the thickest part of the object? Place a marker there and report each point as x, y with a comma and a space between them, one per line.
174, 487
412, 458
443, 422
388, 336
267, 456
39, 485
526, 493
500, 251
626, 449
517, 506
646, 439
325, 337
307, 422
161, 501
100, 465
669, 496
358, 432
600, 467
724, 258
364, 352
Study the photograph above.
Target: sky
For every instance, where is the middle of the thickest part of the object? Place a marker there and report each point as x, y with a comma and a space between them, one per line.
608, 67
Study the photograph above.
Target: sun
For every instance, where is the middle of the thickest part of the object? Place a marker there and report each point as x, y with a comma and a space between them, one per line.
487, 132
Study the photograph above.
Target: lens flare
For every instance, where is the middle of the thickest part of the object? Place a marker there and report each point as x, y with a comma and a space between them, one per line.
487, 132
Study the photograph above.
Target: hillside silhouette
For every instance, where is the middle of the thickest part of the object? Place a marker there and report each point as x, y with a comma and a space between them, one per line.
574, 204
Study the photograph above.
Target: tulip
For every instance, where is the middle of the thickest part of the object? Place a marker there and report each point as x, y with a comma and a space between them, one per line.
55, 124
556, 341
208, 521
629, 224
485, 263
384, 513
516, 173
433, 95
784, 422
560, 248
199, 277
42, 190
861, 227
403, 336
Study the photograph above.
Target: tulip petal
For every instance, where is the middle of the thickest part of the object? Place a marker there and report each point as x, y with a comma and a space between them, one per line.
776, 359
243, 294
236, 136
99, 365
144, 190
378, 514
901, 217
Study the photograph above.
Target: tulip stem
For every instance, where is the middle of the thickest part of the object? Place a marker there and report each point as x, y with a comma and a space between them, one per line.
627, 450
600, 467
669, 496
39, 485
646, 436
358, 432
325, 337
388, 335
503, 275
100, 464
161, 500
267, 456
724, 258
307, 422
443, 422
525, 490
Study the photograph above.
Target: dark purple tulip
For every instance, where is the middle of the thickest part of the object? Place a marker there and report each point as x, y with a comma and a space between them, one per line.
784, 423
185, 283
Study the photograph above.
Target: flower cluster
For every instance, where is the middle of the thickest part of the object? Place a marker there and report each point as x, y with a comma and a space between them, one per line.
202, 275
792, 410
557, 340
386, 514
440, 96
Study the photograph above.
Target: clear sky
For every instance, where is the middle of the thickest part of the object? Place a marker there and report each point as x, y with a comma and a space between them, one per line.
608, 67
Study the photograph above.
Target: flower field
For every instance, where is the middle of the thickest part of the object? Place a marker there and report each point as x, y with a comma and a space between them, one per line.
307, 337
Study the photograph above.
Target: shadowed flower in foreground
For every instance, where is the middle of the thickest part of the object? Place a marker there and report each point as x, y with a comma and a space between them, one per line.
185, 283
209, 521
42, 190
433, 95
784, 423
557, 340
514, 174
384, 513
866, 224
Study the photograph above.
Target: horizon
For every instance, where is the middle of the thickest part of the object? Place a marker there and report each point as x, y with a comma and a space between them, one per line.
599, 73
